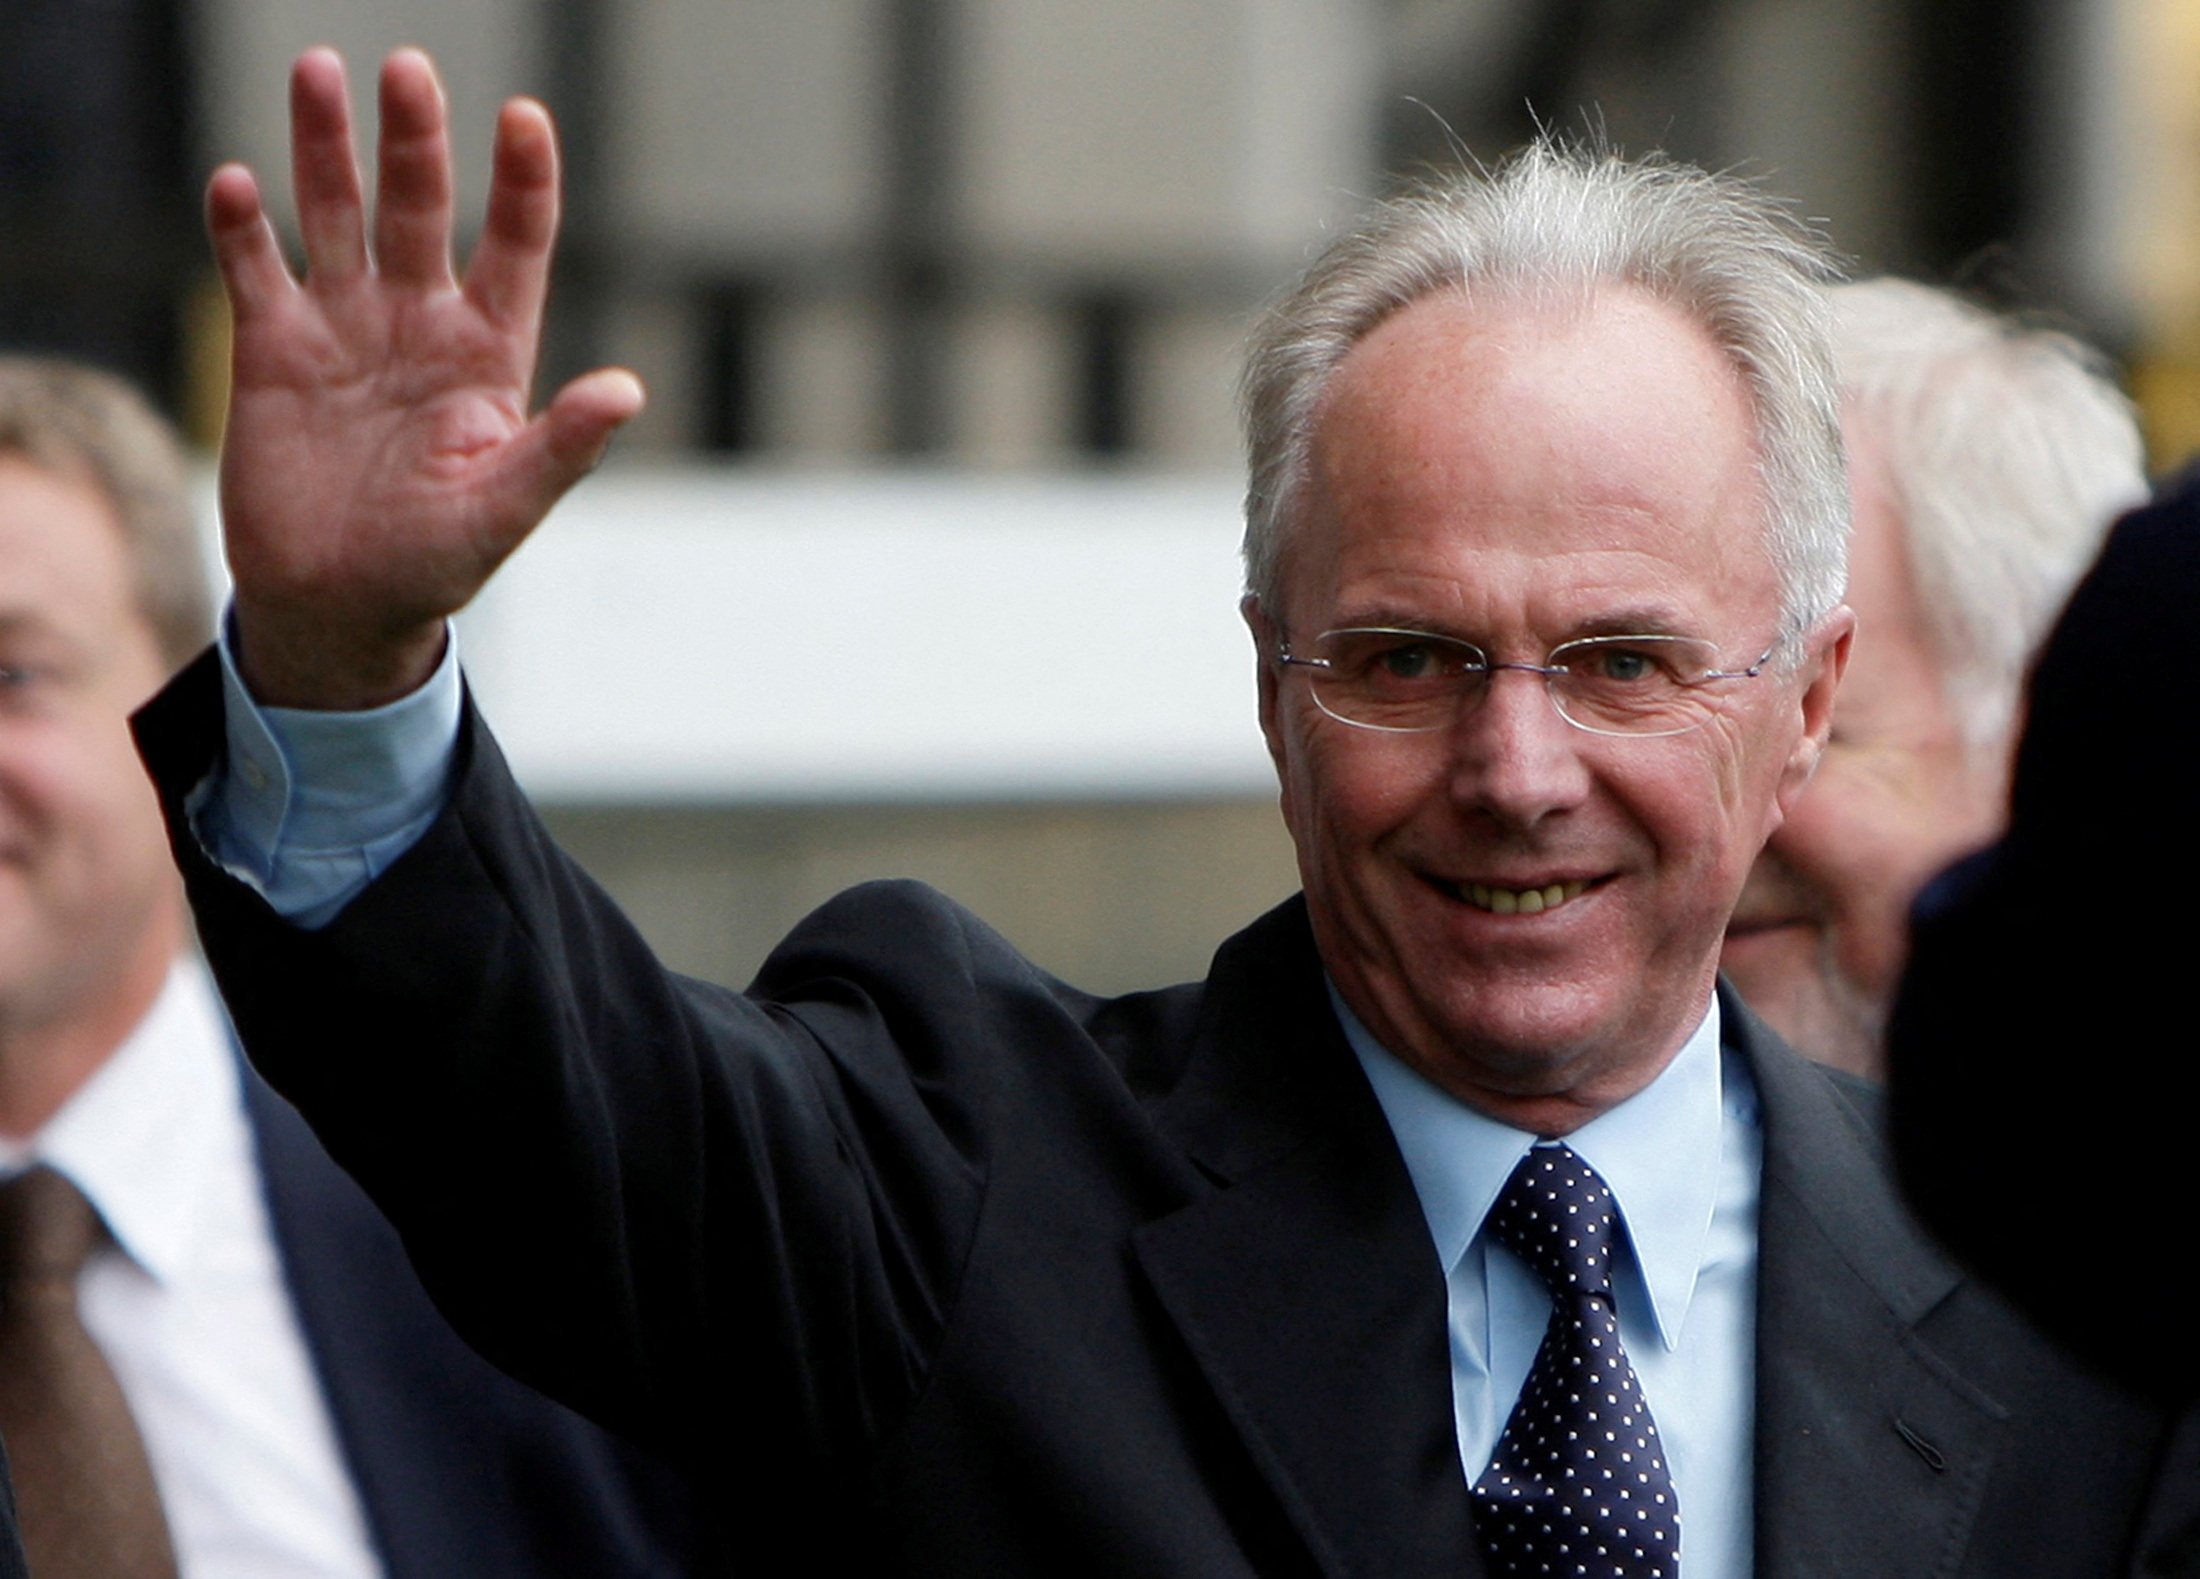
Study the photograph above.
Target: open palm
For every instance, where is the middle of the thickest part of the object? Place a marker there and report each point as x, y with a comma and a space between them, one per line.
380, 460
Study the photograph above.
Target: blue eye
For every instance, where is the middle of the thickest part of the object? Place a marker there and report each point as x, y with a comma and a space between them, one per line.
1410, 661
1380, 678
1622, 664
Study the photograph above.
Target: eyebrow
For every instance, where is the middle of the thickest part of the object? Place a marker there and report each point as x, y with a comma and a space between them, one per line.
1643, 619
1383, 616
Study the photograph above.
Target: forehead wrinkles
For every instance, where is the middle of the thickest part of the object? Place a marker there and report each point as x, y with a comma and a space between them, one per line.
1511, 596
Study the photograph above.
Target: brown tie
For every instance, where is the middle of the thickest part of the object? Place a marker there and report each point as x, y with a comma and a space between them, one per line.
83, 1485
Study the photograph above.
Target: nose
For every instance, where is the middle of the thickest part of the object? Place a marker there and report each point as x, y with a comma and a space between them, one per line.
1513, 759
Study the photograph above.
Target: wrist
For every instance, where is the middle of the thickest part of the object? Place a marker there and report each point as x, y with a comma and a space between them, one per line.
320, 667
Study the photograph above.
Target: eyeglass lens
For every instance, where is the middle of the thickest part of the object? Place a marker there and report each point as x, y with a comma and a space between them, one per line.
1413, 681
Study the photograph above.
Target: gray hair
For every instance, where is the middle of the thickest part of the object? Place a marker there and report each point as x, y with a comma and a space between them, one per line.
2008, 451
93, 428
1555, 222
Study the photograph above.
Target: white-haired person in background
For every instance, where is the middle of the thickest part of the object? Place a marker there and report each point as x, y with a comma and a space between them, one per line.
1986, 460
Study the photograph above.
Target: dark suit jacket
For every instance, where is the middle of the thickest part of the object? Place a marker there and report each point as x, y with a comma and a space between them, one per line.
12, 1565
955, 1269
460, 1469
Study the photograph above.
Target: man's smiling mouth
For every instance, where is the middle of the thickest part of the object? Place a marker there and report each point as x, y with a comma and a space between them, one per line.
1517, 901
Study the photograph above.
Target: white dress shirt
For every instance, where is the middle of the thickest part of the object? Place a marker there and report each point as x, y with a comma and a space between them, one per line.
190, 1306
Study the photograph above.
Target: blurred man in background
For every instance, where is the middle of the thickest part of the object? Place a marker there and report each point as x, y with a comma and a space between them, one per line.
235, 1372
1985, 463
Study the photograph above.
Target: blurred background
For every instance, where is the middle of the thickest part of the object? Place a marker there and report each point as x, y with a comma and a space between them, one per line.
921, 560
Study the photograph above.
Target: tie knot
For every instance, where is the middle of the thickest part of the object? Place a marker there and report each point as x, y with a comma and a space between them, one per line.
47, 1228
1557, 1214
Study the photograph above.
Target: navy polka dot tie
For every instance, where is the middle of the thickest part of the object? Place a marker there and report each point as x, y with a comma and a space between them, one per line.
1578, 1484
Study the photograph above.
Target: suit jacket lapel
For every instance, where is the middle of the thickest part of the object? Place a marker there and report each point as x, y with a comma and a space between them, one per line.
1305, 1286
355, 1298
1872, 1451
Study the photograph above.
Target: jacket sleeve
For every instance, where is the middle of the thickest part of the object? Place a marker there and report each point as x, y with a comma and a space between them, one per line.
728, 1224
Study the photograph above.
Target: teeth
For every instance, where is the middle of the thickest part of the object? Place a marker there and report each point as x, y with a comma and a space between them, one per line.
1522, 901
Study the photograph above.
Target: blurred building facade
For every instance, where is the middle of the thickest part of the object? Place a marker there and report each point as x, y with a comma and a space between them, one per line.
1026, 236
1029, 232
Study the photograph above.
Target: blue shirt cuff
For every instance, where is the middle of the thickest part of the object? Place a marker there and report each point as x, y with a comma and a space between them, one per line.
308, 807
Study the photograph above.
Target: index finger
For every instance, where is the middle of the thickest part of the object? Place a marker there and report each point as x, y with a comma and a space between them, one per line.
245, 249
509, 274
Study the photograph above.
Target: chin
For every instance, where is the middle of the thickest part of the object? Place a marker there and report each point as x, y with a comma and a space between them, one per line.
1538, 1044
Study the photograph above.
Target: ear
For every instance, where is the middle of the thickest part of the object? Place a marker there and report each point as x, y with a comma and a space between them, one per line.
1824, 662
1266, 640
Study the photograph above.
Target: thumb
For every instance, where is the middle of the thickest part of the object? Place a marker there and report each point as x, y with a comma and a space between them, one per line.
566, 440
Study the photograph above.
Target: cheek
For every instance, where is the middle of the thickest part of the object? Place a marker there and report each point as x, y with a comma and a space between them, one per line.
1845, 842
1722, 806
1332, 784
1343, 796
1859, 839
32, 768
75, 782
1820, 840
1874, 829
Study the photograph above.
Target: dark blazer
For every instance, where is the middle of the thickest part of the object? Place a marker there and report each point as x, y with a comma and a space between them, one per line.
955, 1269
12, 1565
460, 1469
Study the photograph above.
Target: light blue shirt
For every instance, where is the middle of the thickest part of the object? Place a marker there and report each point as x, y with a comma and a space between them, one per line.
309, 807
1683, 1158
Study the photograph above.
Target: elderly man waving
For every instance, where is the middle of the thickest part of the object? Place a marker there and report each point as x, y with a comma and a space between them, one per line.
1453, 1224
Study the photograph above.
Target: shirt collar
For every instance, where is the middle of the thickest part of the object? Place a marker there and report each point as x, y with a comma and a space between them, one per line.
1658, 1151
142, 1137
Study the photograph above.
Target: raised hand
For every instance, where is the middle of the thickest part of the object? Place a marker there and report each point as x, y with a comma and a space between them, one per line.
380, 461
